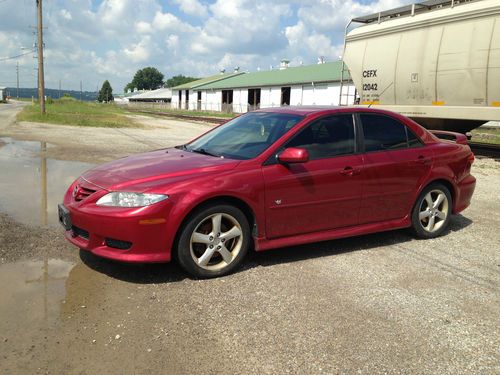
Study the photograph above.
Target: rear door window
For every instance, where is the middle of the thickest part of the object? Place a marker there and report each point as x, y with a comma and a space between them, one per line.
385, 133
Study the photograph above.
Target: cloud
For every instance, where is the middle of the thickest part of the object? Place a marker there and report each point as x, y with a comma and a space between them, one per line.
66, 14
167, 21
333, 15
94, 40
143, 27
139, 52
192, 7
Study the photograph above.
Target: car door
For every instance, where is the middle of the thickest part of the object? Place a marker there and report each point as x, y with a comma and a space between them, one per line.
323, 193
395, 164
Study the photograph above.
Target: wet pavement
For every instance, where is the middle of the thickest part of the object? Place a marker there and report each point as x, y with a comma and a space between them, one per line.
36, 290
383, 303
31, 184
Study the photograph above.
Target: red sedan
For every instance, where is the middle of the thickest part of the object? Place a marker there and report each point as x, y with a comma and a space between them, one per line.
267, 179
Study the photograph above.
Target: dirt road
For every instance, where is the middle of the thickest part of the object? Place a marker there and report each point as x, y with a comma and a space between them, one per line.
383, 303
96, 145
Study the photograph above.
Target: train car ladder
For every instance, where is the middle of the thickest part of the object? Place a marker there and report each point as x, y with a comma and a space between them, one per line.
345, 97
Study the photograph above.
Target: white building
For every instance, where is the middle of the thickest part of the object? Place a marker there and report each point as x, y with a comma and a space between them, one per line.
163, 95
184, 96
317, 84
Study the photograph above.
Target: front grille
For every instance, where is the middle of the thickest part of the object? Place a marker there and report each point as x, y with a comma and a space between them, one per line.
79, 232
117, 244
81, 192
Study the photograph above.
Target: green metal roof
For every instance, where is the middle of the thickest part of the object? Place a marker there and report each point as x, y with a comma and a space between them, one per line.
326, 72
203, 81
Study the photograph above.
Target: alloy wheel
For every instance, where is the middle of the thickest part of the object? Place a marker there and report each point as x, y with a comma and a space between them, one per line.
433, 210
216, 241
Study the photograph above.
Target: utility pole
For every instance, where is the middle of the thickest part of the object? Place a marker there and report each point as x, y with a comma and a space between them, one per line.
17, 72
80, 90
41, 80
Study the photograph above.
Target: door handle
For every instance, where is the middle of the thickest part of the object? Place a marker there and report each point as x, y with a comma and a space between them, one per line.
350, 171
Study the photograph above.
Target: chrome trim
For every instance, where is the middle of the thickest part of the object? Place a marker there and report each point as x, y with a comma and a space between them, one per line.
99, 186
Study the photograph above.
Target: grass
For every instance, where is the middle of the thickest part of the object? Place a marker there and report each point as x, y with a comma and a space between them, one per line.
22, 99
488, 135
69, 111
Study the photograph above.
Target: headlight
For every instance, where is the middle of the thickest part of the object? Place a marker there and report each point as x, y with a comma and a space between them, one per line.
124, 199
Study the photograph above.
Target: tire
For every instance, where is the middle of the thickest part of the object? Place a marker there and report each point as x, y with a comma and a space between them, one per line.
432, 211
205, 252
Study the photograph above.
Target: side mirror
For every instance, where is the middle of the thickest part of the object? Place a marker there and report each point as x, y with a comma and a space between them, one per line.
293, 155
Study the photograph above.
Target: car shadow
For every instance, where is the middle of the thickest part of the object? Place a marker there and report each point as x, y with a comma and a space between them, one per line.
147, 273
171, 272
344, 245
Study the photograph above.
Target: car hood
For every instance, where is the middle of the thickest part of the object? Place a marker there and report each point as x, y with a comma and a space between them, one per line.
144, 169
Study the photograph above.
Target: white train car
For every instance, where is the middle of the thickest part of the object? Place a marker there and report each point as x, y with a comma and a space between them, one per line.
436, 61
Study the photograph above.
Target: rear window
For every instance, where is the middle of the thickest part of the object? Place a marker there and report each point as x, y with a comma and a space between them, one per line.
385, 133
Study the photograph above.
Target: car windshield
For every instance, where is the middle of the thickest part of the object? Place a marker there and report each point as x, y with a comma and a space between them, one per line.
245, 137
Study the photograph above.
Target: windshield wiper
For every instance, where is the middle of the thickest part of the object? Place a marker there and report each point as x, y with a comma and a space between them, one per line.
181, 147
204, 152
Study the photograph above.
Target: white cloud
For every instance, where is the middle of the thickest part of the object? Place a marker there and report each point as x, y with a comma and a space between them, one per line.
192, 7
167, 21
138, 52
92, 41
333, 15
66, 14
143, 27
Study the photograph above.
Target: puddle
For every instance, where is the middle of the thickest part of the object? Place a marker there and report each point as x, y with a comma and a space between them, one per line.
31, 185
32, 294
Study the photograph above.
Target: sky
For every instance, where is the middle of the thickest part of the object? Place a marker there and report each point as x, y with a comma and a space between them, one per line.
94, 40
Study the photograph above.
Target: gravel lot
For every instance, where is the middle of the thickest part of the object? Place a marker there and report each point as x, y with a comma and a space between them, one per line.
383, 303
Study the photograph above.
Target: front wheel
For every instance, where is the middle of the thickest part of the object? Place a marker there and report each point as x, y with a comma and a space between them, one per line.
214, 241
432, 211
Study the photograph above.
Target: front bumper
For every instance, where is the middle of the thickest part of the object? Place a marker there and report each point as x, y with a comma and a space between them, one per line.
123, 234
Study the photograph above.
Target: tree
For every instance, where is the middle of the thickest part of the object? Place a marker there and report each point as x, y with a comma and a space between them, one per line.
146, 79
130, 87
105, 93
179, 80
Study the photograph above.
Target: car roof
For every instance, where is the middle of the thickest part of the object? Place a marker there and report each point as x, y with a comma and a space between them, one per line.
306, 110
302, 110
322, 109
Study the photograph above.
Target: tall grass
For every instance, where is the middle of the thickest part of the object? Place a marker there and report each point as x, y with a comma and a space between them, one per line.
69, 111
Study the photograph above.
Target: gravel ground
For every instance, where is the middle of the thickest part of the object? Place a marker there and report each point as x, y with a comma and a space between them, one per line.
383, 303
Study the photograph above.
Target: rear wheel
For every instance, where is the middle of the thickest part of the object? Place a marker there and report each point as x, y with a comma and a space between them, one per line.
214, 241
432, 211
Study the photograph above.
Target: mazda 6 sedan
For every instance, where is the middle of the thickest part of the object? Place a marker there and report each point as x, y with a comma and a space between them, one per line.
267, 179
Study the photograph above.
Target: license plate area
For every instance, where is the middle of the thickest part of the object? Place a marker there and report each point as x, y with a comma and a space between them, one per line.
64, 216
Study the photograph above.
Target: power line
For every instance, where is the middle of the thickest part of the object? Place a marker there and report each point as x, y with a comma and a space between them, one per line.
15, 57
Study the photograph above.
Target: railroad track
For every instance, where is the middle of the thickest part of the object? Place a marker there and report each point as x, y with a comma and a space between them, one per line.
485, 149
212, 120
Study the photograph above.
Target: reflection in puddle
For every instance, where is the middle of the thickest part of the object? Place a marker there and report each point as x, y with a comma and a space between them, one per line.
31, 185
31, 294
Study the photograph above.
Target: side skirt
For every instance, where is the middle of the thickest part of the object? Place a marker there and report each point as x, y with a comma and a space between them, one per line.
265, 244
